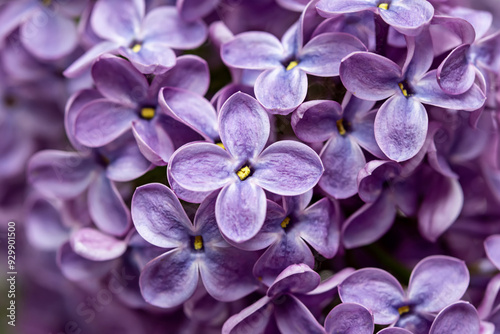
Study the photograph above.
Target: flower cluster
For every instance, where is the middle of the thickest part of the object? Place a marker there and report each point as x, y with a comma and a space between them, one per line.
269, 166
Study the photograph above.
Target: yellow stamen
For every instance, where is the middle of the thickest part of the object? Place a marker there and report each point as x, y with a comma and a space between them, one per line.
198, 242
405, 92
384, 6
136, 48
285, 222
220, 145
404, 309
148, 113
291, 65
243, 173
340, 127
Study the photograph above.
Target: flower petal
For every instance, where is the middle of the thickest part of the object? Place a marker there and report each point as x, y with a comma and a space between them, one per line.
315, 121
401, 127
455, 75
292, 316
330, 8
153, 141
77, 268
349, 318
394, 330
369, 76
288, 168
375, 289
170, 279
153, 57
253, 50
191, 10
459, 318
437, 281
126, 161
202, 167
159, 217
244, 127
322, 55
118, 26
408, 16
343, 159
255, 318
241, 210
296, 278
96, 246
79, 66
492, 248
280, 90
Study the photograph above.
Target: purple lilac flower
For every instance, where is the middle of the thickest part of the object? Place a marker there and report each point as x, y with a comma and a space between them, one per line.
145, 39
349, 318
489, 309
192, 250
282, 86
492, 247
460, 317
243, 169
435, 283
347, 128
401, 122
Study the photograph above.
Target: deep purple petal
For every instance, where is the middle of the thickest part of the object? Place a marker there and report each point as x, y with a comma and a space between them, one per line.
315, 121
370, 76
253, 50
241, 210
159, 217
437, 281
191, 10
202, 167
459, 318
293, 317
60, 174
455, 75
408, 16
343, 159
322, 55
288, 168
170, 279
296, 278
244, 127
376, 290
349, 318
96, 246
253, 319
107, 208
281, 90
401, 127
117, 25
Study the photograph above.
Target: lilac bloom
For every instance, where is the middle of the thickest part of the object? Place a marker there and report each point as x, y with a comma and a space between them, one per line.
457, 72
346, 128
409, 17
281, 303
435, 283
47, 28
349, 318
244, 169
401, 122
145, 39
129, 102
460, 318
191, 251
282, 86
492, 247
288, 230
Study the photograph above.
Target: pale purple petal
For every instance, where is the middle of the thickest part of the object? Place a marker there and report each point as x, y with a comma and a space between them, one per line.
322, 55
184, 194
170, 279
96, 246
107, 208
437, 281
370, 222
253, 319
376, 290
241, 210
117, 25
401, 127
244, 127
492, 248
458, 318
296, 278
363, 132
60, 174
349, 318
126, 161
455, 75
293, 317
253, 50
159, 217
440, 207
153, 57
315, 121
227, 273
408, 16
343, 159
329, 8
79, 66
281, 90
202, 167
77, 268
13, 14
288, 168
153, 141
369, 76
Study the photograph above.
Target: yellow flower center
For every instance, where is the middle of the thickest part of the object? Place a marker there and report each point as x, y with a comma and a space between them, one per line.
285, 222
340, 127
243, 173
384, 6
137, 47
198, 242
404, 309
148, 113
291, 65
402, 87
220, 145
